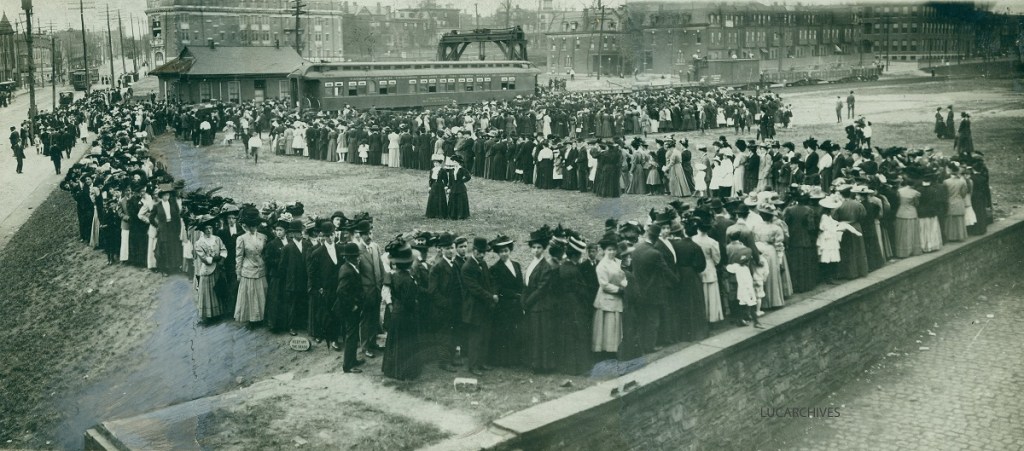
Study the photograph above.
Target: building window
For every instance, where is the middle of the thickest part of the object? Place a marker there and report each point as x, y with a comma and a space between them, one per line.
284, 90
234, 91
204, 92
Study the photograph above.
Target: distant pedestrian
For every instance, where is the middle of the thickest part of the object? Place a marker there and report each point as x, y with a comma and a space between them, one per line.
849, 106
19, 152
254, 147
839, 109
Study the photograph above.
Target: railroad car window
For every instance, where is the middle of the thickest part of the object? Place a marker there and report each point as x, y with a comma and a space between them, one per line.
449, 85
352, 92
469, 86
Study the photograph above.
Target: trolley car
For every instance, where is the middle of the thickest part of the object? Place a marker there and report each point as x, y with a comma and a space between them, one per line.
396, 85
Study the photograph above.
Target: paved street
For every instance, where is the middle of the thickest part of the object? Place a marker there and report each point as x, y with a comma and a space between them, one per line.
963, 392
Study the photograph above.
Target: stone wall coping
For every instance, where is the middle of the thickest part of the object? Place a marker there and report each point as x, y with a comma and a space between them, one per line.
670, 367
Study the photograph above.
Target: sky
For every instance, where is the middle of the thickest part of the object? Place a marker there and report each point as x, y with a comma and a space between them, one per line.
64, 13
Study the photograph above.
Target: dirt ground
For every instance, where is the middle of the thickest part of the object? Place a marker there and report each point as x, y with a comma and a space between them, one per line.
83, 342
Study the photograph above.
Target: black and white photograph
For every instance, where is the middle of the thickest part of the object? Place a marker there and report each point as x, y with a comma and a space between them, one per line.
462, 225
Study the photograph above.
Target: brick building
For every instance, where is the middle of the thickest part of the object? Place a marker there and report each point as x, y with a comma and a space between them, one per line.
8, 51
330, 30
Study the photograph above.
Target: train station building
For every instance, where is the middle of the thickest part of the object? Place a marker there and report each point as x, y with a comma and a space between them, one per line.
228, 74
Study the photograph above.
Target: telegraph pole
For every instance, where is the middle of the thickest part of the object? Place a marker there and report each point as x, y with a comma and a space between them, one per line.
298, 13
110, 48
85, 50
120, 30
27, 6
135, 49
600, 40
53, 68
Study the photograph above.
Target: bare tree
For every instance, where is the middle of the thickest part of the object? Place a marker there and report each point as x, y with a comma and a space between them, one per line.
506, 6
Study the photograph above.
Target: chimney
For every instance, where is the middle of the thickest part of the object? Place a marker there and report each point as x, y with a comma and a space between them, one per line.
378, 8
209, 42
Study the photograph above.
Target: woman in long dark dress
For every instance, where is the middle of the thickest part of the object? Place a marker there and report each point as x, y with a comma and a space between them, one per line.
458, 202
872, 242
964, 140
507, 279
940, 124
607, 183
981, 198
802, 251
401, 353
276, 314
439, 178
575, 301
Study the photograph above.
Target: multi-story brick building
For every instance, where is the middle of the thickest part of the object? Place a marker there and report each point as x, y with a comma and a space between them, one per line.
330, 30
665, 37
8, 52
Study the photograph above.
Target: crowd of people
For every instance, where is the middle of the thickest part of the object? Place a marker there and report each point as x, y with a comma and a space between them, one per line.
771, 220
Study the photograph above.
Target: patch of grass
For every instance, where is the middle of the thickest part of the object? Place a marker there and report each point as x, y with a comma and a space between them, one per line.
284, 422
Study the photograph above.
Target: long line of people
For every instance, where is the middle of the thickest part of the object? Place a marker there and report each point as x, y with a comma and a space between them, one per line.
749, 244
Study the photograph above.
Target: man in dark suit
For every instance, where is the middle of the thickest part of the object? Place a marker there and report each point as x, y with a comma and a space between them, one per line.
656, 278
322, 276
371, 269
445, 292
294, 277
18, 148
582, 166
349, 297
478, 305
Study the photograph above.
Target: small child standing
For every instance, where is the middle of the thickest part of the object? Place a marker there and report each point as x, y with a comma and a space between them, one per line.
746, 294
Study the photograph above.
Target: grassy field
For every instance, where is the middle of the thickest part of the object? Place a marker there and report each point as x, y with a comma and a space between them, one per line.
68, 320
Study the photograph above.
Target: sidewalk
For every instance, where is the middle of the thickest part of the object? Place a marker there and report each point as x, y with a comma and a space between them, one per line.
21, 193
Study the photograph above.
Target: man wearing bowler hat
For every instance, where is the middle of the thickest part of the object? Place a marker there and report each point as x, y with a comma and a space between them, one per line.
371, 269
445, 291
349, 299
478, 305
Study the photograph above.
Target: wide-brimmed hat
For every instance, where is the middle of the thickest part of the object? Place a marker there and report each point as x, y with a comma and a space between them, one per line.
339, 214
362, 226
541, 236
830, 202
767, 209
399, 251
609, 239
206, 220
750, 200
296, 226
501, 242
480, 244
282, 224
229, 209
349, 250
250, 216
862, 189
816, 193
164, 188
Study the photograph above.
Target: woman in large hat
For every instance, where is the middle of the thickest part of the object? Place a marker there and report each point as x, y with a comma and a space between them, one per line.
543, 322
801, 251
611, 280
250, 268
907, 239
458, 201
507, 281
401, 353
438, 181
276, 308
210, 251
575, 306
769, 241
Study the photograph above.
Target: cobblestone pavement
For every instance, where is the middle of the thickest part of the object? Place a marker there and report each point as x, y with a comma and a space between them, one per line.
961, 388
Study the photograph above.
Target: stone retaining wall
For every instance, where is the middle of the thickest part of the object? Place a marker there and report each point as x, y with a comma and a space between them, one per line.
710, 395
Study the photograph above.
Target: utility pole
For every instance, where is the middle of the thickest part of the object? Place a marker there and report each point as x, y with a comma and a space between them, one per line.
135, 49
600, 40
298, 31
85, 49
27, 6
888, 43
53, 68
110, 48
120, 31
